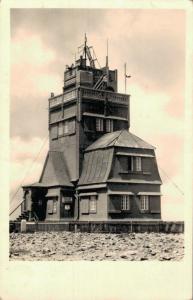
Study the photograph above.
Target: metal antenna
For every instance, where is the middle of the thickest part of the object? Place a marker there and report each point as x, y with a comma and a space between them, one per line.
85, 46
107, 63
126, 76
107, 56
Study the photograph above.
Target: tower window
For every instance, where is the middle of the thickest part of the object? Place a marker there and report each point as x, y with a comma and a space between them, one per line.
99, 124
60, 129
66, 127
144, 202
109, 125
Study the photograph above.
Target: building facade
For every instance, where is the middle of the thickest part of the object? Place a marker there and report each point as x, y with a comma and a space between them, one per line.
95, 169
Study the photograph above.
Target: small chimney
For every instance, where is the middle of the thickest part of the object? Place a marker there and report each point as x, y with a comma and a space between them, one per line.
52, 95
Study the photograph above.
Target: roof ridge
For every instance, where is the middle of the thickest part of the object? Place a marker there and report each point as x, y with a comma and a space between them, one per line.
116, 138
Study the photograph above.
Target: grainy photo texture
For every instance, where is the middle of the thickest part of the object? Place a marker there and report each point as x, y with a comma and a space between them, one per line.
97, 105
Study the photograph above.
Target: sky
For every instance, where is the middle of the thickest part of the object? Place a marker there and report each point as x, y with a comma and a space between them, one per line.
150, 42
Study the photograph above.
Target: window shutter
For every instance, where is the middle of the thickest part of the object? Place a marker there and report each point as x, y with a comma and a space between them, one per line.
50, 206
85, 206
60, 128
115, 204
71, 126
93, 204
123, 162
155, 204
54, 131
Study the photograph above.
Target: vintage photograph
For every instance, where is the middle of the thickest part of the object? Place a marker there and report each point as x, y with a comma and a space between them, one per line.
97, 134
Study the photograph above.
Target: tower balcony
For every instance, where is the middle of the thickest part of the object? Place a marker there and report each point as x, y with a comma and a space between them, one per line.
65, 97
88, 93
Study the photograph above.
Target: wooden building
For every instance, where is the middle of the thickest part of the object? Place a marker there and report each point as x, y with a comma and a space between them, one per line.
96, 169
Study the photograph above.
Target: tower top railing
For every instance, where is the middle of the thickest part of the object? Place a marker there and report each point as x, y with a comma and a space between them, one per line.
89, 93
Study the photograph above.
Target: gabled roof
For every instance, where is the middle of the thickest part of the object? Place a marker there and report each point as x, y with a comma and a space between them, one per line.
55, 171
122, 138
96, 166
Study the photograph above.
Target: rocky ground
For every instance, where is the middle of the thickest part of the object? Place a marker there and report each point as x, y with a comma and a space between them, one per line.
96, 246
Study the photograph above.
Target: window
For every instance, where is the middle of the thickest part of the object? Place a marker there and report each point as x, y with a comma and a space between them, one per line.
51, 206
66, 127
55, 206
89, 124
130, 163
99, 124
125, 202
138, 163
84, 205
144, 201
88, 204
109, 125
60, 128
54, 131
92, 208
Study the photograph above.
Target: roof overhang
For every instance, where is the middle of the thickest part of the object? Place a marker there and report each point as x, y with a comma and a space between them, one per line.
92, 186
120, 193
134, 154
149, 194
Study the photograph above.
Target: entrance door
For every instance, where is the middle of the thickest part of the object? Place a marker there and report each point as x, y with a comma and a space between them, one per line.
67, 207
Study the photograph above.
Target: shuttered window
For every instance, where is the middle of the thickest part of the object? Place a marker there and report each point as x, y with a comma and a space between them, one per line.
60, 128
71, 126
66, 127
54, 131
155, 204
93, 204
84, 205
123, 161
115, 204
50, 206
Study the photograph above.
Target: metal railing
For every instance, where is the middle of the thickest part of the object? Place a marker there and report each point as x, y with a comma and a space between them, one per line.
105, 95
62, 98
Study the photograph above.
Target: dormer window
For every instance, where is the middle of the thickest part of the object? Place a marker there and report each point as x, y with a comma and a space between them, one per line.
130, 164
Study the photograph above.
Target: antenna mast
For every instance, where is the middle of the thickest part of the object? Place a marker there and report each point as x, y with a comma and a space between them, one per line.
107, 62
85, 47
126, 76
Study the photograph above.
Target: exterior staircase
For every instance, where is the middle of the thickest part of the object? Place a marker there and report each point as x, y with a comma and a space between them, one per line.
24, 215
13, 224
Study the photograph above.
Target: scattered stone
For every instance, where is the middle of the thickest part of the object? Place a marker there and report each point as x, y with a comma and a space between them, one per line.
96, 246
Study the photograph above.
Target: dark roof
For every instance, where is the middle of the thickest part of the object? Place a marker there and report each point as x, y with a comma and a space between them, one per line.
122, 138
35, 184
96, 166
55, 171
